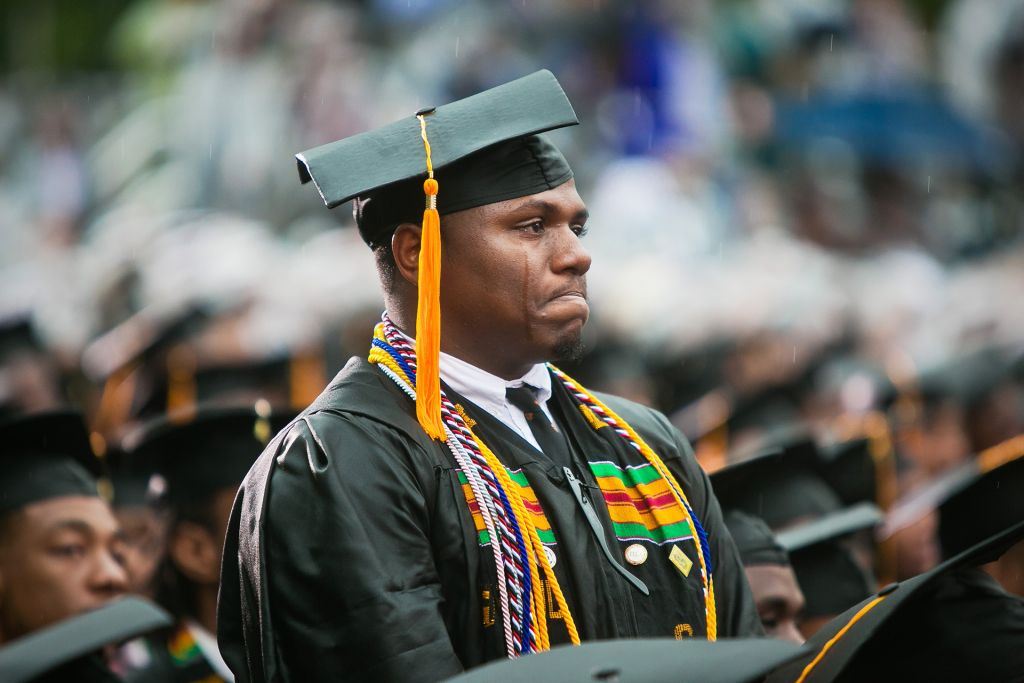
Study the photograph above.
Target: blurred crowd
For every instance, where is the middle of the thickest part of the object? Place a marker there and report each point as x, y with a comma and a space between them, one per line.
806, 214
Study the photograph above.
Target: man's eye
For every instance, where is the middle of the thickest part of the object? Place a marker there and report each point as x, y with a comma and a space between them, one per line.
580, 230
69, 550
536, 227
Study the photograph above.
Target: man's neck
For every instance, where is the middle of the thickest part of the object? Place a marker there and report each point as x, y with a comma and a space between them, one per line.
486, 361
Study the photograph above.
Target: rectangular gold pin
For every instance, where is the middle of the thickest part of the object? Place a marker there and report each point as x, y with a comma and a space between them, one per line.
683, 563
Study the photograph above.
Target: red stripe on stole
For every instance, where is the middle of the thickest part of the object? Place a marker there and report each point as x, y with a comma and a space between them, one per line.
641, 504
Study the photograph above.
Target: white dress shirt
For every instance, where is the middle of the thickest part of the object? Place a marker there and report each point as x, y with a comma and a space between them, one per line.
488, 391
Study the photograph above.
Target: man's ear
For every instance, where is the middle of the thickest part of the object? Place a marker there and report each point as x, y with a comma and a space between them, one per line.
194, 552
405, 245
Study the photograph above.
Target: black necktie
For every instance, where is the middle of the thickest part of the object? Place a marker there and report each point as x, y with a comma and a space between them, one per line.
551, 439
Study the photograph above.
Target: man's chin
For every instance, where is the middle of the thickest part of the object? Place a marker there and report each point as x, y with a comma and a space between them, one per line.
569, 348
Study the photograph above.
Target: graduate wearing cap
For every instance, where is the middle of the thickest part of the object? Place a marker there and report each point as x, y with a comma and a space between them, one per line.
780, 602
60, 546
828, 562
197, 462
455, 499
799, 490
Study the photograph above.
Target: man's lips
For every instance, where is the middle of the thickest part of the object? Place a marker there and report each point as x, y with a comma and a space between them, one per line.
571, 293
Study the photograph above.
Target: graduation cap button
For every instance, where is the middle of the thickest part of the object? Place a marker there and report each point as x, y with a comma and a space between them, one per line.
888, 589
636, 554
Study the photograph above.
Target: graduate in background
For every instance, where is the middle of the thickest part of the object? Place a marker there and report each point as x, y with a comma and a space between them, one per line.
201, 459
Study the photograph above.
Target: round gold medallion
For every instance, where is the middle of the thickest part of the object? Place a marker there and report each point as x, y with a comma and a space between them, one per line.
636, 554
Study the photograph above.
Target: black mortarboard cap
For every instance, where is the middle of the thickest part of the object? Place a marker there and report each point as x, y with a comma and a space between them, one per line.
208, 452
131, 478
41, 652
974, 500
45, 455
950, 623
850, 470
829, 577
781, 484
990, 501
385, 167
831, 526
754, 540
643, 661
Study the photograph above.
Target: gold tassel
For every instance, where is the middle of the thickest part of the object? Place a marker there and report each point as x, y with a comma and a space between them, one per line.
428, 308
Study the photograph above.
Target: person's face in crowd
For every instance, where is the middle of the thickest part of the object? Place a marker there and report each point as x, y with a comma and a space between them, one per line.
916, 547
778, 599
1008, 570
513, 284
196, 549
58, 557
938, 442
145, 535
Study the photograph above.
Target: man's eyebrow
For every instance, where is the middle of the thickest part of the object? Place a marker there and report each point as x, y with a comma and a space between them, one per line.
72, 524
544, 206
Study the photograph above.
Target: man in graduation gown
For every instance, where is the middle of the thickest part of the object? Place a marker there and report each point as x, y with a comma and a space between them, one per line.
403, 528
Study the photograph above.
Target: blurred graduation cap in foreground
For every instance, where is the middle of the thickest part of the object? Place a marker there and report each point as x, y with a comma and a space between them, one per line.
951, 623
60, 652
643, 661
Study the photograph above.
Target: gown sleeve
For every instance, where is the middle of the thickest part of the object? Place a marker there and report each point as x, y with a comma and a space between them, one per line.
348, 586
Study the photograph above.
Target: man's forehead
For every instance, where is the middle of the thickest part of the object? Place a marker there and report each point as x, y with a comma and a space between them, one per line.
563, 200
774, 580
71, 512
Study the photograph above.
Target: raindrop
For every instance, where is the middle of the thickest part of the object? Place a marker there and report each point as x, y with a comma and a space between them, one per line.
831, 37
456, 47
794, 355
929, 185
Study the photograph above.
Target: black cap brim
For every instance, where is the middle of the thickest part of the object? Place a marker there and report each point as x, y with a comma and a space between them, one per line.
41, 651
643, 661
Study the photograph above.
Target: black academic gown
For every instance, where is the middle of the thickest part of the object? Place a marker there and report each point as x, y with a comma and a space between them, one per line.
351, 553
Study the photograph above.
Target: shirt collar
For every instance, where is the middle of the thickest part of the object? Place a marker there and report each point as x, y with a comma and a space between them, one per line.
483, 388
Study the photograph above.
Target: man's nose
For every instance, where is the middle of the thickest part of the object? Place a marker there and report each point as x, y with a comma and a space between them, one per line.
570, 254
788, 631
109, 575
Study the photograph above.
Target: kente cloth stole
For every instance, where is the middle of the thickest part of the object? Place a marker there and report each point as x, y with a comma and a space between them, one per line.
644, 501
